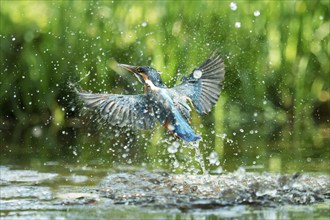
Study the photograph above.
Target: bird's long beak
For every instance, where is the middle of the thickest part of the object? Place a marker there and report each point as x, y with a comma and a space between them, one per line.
130, 68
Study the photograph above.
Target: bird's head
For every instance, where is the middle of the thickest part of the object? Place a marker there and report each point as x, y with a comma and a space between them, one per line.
145, 74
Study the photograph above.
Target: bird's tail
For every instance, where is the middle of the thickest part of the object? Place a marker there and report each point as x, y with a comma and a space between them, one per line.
183, 129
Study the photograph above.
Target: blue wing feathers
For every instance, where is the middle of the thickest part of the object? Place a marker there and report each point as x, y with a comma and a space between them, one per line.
204, 92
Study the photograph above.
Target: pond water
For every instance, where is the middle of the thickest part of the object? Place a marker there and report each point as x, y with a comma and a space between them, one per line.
61, 191
74, 178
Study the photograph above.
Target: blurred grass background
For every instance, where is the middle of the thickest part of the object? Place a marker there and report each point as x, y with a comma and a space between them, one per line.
273, 112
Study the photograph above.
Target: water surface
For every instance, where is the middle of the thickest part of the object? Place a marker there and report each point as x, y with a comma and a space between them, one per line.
82, 192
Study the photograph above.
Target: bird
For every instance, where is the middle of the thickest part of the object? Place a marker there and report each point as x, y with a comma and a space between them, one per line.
171, 107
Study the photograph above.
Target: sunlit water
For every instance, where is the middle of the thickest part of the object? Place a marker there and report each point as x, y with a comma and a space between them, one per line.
73, 191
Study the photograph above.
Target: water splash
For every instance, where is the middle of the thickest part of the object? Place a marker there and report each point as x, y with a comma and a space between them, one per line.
229, 195
198, 156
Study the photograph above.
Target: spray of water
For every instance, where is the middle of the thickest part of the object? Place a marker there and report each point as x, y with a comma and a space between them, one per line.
198, 156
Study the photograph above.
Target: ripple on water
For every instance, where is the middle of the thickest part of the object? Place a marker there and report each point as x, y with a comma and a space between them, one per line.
229, 195
209, 191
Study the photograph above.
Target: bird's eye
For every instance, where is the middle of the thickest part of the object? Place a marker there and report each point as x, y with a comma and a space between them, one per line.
139, 70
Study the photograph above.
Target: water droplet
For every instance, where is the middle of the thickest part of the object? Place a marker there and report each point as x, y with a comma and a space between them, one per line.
197, 74
256, 13
176, 164
144, 24
172, 150
213, 158
233, 6
174, 147
222, 136
36, 131
237, 24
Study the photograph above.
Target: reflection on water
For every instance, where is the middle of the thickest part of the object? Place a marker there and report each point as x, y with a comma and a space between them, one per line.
70, 191
86, 145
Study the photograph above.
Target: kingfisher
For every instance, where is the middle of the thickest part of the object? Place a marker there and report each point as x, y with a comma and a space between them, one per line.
169, 106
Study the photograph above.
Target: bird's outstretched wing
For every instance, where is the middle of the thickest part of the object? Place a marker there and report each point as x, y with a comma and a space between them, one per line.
202, 86
121, 110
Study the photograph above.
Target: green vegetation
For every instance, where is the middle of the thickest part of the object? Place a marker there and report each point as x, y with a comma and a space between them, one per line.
274, 109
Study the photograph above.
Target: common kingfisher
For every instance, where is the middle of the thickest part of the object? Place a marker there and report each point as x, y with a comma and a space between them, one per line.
169, 106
